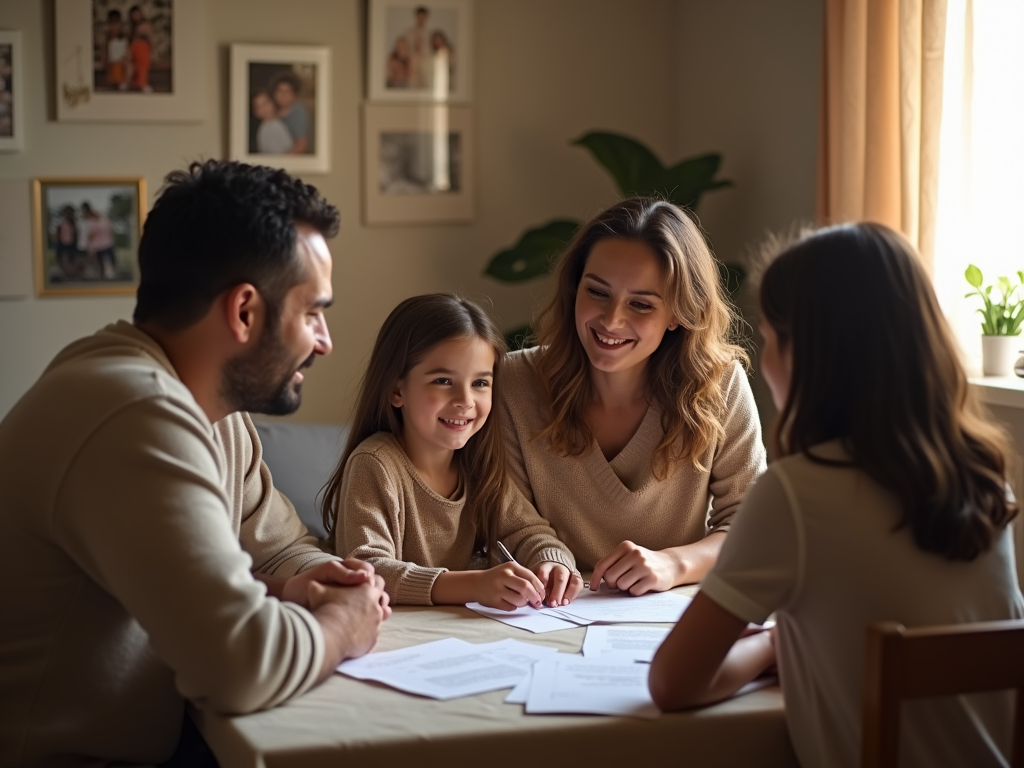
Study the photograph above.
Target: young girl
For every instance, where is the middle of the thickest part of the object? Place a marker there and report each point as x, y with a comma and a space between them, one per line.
633, 429
889, 503
421, 489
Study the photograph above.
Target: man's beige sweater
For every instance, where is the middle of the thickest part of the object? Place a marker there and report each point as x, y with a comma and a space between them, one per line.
594, 504
394, 520
126, 589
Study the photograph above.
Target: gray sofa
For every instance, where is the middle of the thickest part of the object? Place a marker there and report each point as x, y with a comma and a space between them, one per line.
301, 458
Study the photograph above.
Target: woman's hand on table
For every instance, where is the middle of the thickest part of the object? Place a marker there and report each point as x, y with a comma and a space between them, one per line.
561, 586
635, 569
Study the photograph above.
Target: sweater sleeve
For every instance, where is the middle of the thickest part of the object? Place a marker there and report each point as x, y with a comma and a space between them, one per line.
156, 535
740, 457
527, 535
269, 527
372, 527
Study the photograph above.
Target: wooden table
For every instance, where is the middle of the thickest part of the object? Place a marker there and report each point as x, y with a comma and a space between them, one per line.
347, 722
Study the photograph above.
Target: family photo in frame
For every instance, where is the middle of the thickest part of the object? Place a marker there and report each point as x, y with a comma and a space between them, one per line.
420, 51
124, 60
280, 106
419, 163
133, 46
86, 234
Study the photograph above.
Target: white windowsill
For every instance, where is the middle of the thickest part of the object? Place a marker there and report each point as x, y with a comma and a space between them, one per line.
1007, 391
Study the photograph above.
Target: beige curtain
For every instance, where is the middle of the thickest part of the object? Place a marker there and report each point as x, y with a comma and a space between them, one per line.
880, 113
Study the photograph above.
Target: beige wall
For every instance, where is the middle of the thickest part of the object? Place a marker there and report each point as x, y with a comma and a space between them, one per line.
748, 87
684, 76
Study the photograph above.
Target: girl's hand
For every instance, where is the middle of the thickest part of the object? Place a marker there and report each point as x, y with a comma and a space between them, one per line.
509, 586
635, 569
560, 585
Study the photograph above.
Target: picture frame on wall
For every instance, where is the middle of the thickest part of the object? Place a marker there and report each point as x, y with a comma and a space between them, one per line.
281, 106
131, 60
419, 163
420, 51
12, 94
86, 234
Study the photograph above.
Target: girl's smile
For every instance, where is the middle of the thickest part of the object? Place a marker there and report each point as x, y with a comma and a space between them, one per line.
445, 398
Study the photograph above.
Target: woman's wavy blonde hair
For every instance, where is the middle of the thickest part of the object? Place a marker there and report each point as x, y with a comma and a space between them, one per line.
685, 372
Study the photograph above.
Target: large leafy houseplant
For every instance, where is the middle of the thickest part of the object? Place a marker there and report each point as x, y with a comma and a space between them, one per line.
636, 171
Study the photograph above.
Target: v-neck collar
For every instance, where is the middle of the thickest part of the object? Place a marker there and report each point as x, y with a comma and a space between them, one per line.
634, 458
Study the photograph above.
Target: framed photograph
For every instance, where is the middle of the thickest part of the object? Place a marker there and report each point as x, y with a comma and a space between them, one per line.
86, 234
281, 106
131, 60
12, 97
419, 163
420, 51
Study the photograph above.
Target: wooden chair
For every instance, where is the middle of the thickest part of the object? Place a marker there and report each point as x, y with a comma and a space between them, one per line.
902, 663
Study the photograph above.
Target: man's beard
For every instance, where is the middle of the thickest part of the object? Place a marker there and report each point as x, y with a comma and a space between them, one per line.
260, 381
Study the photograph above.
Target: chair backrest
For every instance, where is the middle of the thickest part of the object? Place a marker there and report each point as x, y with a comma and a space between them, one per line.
902, 663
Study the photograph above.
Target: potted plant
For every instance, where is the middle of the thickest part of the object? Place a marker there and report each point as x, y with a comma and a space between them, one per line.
636, 170
1001, 319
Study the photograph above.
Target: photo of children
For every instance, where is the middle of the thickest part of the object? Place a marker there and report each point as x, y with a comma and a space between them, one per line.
89, 233
421, 43
6, 90
132, 46
282, 108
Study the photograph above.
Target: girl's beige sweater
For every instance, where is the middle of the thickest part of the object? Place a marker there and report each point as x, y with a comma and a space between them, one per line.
410, 534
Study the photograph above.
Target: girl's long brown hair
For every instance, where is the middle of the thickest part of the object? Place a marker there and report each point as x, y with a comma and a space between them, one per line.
875, 365
684, 374
412, 329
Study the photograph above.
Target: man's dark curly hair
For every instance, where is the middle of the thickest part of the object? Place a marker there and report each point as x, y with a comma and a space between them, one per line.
219, 224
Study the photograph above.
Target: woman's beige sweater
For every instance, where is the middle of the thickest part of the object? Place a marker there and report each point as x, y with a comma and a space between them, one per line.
594, 504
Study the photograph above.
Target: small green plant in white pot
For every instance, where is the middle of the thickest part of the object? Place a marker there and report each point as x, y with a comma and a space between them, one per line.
1001, 319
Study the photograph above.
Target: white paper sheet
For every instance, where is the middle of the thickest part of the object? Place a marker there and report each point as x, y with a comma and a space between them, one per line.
518, 694
450, 668
590, 686
618, 607
531, 619
628, 643
370, 666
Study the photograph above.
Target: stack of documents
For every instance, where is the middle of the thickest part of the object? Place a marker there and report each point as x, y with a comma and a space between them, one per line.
610, 678
449, 668
593, 607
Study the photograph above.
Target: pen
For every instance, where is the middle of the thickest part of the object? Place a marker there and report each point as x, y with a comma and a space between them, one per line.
504, 555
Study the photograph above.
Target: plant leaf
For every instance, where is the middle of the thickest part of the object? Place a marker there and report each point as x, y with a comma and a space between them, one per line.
635, 168
688, 179
973, 275
534, 254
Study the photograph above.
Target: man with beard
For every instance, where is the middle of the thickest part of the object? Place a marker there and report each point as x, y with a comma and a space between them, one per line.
138, 519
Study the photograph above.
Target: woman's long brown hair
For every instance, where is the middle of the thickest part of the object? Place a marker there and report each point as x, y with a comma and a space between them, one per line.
875, 366
412, 329
684, 374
